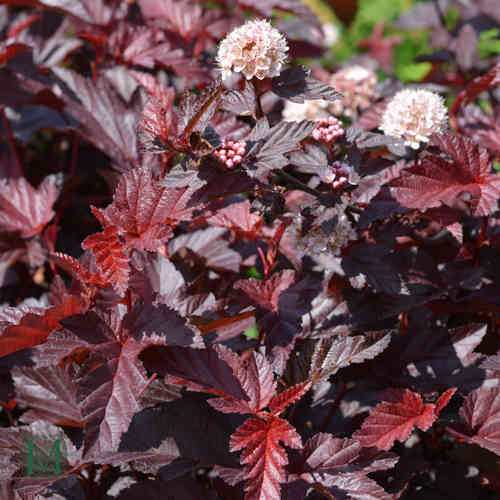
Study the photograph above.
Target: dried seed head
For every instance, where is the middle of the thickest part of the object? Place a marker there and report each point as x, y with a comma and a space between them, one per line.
414, 115
255, 49
315, 242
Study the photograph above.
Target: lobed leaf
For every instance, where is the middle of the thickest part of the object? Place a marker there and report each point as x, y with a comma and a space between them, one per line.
202, 367
32, 328
296, 85
263, 456
25, 209
111, 257
480, 416
436, 181
394, 419
145, 212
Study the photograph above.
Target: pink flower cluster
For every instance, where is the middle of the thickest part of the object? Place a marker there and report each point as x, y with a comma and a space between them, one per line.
231, 152
336, 174
358, 85
328, 130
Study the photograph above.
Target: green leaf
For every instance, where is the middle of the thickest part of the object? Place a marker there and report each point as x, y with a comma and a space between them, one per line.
253, 272
489, 43
415, 72
451, 17
404, 56
252, 332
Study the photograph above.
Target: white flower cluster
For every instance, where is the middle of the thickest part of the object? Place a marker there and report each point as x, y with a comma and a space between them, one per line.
255, 49
358, 85
312, 110
414, 115
231, 152
328, 130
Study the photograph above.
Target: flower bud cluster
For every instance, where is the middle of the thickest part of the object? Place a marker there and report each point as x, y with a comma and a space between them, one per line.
328, 130
255, 49
336, 174
231, 152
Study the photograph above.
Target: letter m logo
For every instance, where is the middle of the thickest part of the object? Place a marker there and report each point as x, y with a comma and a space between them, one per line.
43, 456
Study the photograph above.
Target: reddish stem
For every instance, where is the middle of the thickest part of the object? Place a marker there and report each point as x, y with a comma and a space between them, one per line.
128, 297
264, 262
148, 383
72, 171
343, 390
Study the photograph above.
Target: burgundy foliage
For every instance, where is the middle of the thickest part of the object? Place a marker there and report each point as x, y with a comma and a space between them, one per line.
188, 327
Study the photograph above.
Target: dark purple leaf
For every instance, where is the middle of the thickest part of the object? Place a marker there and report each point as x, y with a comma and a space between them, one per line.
107, 122
203, 367
296, 85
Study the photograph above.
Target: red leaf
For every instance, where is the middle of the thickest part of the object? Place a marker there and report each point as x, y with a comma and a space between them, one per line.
183, 18
394, 419
26, 209
228, 327
323, 451
33, 328
333, 353
91, 11
77, 271
145, 212
208, 244
50, 393
199, 369
138, 45
12, 50
342, 464
109, 388
159, 124
444, 399
478, 85
110, 256
267, 293
237, 217
255, 376
380, 47
481, 127
435, 181
164, 128
372, 116
106, 121
265, 8
480, 415
264, 458
20, 24
287, 397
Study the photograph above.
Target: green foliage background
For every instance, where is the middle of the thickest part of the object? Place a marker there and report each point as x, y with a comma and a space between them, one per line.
371, 12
